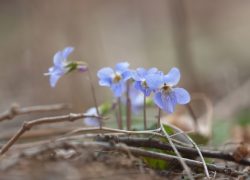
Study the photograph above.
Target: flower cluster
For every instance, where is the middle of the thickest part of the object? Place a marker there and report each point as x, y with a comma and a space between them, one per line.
145, 82
166, 95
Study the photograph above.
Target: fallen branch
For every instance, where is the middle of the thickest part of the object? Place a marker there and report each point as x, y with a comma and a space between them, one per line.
34, 151
151, 143
15, 110
47, 120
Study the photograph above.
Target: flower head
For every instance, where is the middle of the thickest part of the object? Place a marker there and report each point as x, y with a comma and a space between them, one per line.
166, 96
115, 79
140, 76
91, 121
61, 65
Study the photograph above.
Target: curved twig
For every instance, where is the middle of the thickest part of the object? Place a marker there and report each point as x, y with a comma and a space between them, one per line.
183, 163
28, 125
15, 110
194, 144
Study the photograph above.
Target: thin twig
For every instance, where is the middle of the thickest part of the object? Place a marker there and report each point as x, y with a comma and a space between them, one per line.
28, 125
186, 168
176, 134
194, 144
15, 110
154, 132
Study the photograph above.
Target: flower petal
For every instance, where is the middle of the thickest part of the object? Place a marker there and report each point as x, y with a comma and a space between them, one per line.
135, 76
105, 82
58, 59
154, 80
182, 96
169, 102
67, 51
152, 70
53, 79
121, 67
173, 77
91, 121
118, 89
126, 75
158, 100
141, 72
138, 86
105, 73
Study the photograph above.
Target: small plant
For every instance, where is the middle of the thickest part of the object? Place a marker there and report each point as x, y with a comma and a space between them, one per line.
133, 91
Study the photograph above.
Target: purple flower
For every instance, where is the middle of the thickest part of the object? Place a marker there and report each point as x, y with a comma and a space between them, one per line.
91, 121
61, 65
140, 76
115, 79
166, 96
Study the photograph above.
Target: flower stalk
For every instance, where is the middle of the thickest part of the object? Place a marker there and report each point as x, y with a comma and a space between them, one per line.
128, 108
144, 112
119, 113
159, 118
94, 96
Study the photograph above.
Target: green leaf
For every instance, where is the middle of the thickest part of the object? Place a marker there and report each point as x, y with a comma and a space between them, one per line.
221, 132
158, 163
243, 118
168, 129
105, 108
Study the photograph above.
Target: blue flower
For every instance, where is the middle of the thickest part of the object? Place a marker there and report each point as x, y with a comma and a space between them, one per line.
166, 96
115, 79
60, 65
91, 121
140, 76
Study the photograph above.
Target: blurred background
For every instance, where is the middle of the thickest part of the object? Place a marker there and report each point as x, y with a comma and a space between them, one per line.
208, 40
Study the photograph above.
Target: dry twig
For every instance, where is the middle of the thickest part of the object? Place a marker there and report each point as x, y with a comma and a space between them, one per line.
15, 110
151, 143
183, 163
194, 144
28, 125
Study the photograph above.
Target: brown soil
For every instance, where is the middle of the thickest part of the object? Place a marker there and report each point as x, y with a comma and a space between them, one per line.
70, 165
